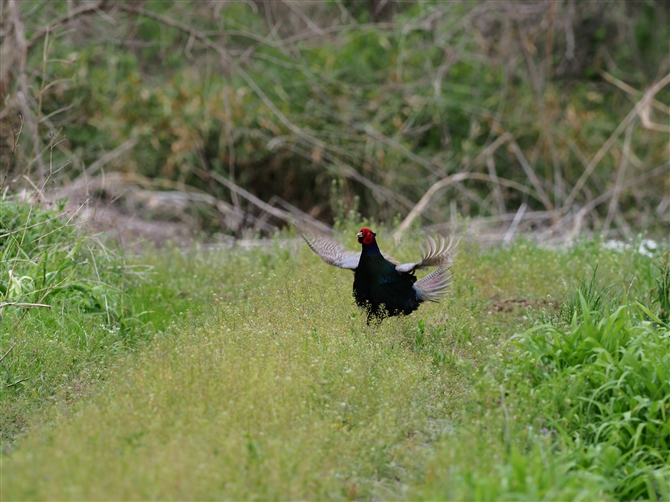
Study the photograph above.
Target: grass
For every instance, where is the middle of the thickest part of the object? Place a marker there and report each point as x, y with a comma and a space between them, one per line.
269, 385
606, 380
95, 304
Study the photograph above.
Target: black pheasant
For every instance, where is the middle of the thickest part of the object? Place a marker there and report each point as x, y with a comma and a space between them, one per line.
382, 286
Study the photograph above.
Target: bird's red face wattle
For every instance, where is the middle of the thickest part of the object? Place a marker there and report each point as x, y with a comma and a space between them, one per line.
366, 236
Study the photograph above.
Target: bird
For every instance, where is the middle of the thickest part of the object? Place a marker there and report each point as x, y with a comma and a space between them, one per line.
383, 287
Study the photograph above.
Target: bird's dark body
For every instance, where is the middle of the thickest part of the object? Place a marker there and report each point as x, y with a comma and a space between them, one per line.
380, 288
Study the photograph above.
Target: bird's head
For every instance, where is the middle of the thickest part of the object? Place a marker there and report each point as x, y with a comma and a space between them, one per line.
366, 236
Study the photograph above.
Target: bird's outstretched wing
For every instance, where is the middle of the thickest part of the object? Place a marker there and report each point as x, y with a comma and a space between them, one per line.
434, 253
434, 285
330, 251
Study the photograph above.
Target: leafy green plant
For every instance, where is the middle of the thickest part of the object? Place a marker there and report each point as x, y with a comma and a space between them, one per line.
588, 293
609, 379
42, 257
63, 308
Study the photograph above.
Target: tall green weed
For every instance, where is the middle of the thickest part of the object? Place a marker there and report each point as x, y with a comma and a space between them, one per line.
608, 378
63, 309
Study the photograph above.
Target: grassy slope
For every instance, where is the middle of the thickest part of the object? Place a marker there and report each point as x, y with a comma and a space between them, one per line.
283, 392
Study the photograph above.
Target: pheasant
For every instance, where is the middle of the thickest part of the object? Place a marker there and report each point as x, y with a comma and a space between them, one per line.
382, 286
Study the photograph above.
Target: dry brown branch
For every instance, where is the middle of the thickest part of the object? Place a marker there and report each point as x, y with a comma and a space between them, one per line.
537, 184
421, 205
500, 140
336, 29
544, 117
18, 382
648, 96
301, 214
579, 216
24, 305
647, 123
500, 200
311, 24
20, 56
645, 112
109, 156
15, 144
10, 348
621, 174
337, 166
497, 220
231, 147
82, 10
294, 211
372, 132
632, 91
515, 223
278, 213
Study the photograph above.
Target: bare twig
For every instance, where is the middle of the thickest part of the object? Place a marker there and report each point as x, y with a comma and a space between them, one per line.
645, 111
17, 382
632, 91
396, 200
24, 305
647, 123
231, 146
82, 10
282, 215
500, 140
421, 205
109, 156
15, 145
500, 200
648, 96
22, 80
579, 216
537, 184
544, 118
9, 350
515, 223
621, 174
299, 214
303, 16
370, 131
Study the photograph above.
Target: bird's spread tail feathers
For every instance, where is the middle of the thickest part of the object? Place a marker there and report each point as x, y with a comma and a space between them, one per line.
433, 286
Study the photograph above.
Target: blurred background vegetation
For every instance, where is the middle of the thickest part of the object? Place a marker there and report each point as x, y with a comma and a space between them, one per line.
549, 115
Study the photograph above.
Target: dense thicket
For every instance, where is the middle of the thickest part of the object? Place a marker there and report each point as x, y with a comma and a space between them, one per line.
535, 105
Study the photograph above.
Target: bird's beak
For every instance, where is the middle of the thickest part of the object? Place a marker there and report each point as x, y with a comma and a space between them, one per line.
359, 235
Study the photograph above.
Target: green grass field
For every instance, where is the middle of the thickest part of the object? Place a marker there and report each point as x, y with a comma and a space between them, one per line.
251, 375
247, 372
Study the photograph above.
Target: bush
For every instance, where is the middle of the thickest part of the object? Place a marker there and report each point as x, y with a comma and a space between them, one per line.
282, 101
